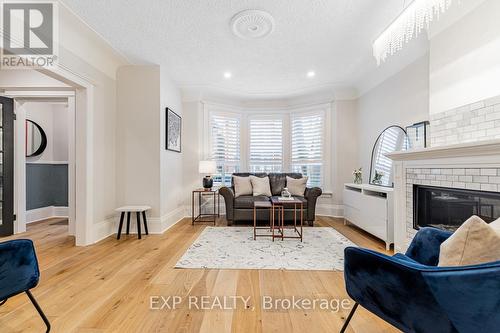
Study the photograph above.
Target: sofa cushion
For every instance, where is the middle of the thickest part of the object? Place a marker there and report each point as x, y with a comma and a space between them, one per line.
297, 187
475, 242
260, 186
278, 181
246, 201
242, 186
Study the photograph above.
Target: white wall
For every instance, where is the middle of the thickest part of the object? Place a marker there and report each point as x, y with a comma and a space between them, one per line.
171, 168
28, 78
147, 174
61, 130
464, 59
53, 119
192, 147
401, 100
137, 141
85, 56
345, 148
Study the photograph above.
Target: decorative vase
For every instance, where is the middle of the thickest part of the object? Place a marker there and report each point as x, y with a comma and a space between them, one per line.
358, 176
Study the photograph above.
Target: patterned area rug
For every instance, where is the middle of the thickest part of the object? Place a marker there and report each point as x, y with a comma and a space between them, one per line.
234, 248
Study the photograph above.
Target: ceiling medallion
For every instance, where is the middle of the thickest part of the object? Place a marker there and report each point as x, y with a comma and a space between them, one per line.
252, 24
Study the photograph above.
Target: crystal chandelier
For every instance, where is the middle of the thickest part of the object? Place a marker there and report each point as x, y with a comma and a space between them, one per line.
414, 18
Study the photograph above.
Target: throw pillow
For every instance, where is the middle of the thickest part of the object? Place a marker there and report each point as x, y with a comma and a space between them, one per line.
260, 186
297, 187
475, 242
242, 186
495, 224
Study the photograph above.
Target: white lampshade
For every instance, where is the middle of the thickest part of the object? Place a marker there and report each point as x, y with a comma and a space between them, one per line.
207, 167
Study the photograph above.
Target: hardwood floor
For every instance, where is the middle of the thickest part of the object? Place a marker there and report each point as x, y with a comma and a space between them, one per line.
107, 288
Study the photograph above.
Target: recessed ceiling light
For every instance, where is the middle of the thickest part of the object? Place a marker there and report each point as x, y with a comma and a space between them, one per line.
311, 74
228, 75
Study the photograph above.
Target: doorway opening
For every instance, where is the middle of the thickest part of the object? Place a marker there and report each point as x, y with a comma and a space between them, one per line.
47, 137
55, 86
44, 165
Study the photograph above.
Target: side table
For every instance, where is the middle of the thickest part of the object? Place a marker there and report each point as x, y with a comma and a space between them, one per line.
200, 192
260, 205
295, 203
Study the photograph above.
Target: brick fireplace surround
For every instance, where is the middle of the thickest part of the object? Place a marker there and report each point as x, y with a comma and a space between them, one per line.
474, 165
464, 154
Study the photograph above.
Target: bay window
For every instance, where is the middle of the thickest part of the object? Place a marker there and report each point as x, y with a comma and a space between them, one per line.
266, 141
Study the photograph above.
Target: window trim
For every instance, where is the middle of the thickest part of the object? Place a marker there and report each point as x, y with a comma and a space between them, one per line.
286, 113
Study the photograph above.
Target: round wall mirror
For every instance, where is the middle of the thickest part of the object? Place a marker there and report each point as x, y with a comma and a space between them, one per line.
392, 139
36, 140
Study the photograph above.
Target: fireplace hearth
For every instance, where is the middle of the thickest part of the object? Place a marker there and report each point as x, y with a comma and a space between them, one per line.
447, 208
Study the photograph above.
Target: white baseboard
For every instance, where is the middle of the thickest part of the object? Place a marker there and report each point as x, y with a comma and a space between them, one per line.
330, 210
156, 225
44, 213
322, 209
104, 229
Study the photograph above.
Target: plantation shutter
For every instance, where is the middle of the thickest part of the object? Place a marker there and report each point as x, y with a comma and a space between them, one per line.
266, 144
307, 131
225, 146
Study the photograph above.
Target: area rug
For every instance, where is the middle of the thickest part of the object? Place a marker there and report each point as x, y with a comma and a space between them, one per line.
234, 248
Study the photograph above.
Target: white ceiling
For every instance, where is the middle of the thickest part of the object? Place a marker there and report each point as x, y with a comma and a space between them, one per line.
192, 39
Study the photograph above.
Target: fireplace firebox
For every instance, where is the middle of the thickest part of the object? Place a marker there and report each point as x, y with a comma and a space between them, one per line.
448, 208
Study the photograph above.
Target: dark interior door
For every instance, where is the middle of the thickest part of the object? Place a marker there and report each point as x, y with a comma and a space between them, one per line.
6, 166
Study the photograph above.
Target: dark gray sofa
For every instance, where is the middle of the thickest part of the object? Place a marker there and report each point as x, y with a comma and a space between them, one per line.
241, 209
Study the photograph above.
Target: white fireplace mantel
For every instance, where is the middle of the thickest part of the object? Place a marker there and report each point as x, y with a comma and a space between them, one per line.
481, 148
468, 165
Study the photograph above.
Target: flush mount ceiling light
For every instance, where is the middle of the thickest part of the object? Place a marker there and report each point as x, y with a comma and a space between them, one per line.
311, 74
252, 24
408, 25
228, 75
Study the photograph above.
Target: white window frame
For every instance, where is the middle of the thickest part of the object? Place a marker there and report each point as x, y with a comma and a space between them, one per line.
265, 116
208, 133
286, 114
325, 160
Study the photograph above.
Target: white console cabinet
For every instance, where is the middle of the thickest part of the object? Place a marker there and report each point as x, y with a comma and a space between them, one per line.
370, 208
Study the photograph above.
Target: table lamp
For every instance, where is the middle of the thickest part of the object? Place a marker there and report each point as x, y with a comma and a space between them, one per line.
207, 168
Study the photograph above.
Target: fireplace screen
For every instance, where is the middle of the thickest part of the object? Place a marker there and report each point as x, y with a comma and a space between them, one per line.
447, 209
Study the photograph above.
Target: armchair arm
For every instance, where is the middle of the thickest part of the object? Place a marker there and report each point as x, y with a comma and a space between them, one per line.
419, 298
18, 267
394, 290
228, 195
312, 194
425, 246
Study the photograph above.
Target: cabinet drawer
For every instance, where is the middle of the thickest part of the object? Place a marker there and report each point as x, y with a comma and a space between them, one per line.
375, 206
352, 214
353, 198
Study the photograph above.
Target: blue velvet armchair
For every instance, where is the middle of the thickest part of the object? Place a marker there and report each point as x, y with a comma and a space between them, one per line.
19, 272
413, 294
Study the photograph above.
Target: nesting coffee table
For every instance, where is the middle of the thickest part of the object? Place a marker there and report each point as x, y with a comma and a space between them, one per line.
282, 204
277, 228
262, 205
